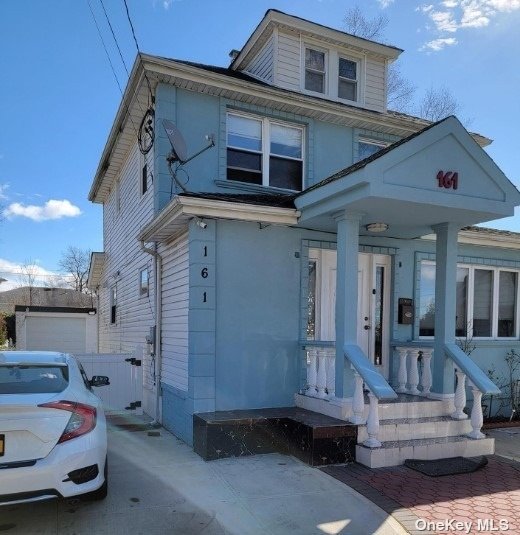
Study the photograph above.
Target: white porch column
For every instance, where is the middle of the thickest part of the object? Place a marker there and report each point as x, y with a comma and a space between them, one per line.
445, 304
346, 297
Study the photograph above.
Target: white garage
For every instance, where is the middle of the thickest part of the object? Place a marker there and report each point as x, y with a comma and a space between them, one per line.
71, 330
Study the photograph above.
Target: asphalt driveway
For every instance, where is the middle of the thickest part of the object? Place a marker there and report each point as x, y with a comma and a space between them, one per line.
159, 486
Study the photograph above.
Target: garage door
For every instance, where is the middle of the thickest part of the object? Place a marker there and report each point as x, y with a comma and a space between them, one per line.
56, 334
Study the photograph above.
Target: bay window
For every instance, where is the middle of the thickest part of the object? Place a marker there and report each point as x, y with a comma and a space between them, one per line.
264, 151
486, 301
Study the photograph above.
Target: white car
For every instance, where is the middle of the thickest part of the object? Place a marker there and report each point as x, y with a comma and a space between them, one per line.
53, 438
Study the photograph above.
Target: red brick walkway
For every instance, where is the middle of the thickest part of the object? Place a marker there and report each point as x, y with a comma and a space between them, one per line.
489, 494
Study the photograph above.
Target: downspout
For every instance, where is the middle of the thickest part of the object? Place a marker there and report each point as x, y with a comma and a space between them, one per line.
158, 323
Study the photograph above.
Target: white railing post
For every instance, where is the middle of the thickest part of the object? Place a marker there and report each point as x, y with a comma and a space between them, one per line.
426, 376
312, 354
477, 418
372, 423
401, 375
413, 377
358, 401
460, 396
331, 374
321, 378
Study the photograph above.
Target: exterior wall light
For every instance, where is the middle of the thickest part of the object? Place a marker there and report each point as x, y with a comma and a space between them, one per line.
377, 227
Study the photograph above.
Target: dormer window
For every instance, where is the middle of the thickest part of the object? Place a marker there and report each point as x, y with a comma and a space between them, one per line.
315, 71
347, 79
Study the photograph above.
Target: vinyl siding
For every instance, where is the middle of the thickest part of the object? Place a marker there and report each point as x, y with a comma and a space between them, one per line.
262, 64
288, 64
175, 304
124, 260
375, 95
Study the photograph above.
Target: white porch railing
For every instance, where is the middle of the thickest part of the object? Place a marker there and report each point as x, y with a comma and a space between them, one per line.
321, 372
408, 380
479, 383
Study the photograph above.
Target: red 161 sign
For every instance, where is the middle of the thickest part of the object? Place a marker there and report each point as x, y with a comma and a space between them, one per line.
448, 179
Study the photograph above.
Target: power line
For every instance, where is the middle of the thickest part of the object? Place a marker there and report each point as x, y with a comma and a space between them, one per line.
138, 50
105, 47
115, 38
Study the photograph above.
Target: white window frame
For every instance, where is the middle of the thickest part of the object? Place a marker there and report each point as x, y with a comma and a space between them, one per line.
266, 146
140, 285
113, 304
357, 81
370, 141
496, 270
326, 66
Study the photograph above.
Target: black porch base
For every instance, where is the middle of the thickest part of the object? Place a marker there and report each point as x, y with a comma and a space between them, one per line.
313, 438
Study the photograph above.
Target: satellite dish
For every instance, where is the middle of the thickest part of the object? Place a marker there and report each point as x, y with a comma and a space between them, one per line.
177, 142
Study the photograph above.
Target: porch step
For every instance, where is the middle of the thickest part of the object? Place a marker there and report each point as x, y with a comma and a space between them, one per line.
393, 453
417, 428
407, 406
315, 439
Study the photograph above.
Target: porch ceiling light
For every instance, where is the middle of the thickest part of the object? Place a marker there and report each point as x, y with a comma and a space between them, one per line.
377, 227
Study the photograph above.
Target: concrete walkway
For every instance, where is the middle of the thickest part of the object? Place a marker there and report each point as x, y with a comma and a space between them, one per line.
159, 486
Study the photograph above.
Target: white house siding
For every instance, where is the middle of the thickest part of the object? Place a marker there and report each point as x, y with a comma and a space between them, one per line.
375, 80
124, 260
262, 64
175, 305
288, 63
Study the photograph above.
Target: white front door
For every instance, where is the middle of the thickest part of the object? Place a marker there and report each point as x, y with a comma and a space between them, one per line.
373, 303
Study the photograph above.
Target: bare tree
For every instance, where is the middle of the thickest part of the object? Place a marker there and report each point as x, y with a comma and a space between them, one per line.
75, 263
27, 279
356, 23
437, 104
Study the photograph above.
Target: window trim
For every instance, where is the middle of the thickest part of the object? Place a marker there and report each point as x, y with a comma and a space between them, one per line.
370, 141
265, 153
357, 81
140, 281
113, 305
496, 270
326, 52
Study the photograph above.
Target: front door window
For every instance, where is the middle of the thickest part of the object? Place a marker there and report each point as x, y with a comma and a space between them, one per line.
373, 302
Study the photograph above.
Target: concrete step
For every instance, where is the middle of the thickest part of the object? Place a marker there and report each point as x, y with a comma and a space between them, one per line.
413, 407
417, 428
394, 453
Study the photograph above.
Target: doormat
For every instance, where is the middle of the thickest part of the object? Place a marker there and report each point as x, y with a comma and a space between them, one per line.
447, 467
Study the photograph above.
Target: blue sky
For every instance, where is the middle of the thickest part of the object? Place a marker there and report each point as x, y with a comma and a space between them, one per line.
59, 97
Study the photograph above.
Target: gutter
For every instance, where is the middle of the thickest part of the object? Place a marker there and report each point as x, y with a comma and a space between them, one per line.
158, 323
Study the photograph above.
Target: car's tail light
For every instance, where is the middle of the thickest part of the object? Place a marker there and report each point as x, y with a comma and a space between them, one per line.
82, 419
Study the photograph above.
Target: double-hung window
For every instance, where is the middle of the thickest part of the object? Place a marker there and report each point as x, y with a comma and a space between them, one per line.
315, 70
347, 79
486, 301
113, 304
367, 147
264, 151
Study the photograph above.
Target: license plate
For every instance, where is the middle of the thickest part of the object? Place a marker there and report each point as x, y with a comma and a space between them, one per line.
2, 442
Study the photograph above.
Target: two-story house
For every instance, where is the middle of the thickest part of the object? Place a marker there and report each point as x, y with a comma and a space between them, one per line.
321, 255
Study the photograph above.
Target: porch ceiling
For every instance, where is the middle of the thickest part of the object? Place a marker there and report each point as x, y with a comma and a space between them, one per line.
401, 186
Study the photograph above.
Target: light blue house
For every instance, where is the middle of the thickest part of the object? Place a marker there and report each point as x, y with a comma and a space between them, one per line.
321, 256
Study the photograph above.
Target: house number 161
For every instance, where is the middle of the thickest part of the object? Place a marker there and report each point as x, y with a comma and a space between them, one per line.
448, 179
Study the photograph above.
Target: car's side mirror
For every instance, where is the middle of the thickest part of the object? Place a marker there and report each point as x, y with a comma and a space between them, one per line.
99, 380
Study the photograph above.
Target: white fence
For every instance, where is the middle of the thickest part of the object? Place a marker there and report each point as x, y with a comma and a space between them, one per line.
125, 392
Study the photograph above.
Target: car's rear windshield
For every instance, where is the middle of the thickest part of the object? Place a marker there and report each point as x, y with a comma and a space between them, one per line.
33, 379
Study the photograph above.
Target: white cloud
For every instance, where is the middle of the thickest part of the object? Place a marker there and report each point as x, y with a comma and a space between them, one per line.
13, 273
450, 16
3, 188
439, 44
52, 209
385, 3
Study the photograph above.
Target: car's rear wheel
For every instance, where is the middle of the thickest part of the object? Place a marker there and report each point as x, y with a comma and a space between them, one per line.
101, 493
